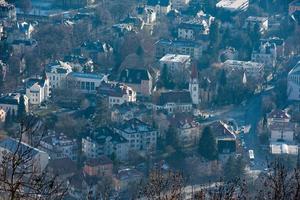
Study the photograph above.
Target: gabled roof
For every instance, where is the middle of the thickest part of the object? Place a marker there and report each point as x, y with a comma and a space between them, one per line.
134, 76
279, 114
11, 98
101, 160
222, 130
135, 125
32, 81
104, 134
179, 97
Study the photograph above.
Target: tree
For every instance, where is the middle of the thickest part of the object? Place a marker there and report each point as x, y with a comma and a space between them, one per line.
223, 78
8, 120
19, 179
207, 144
102, 115
171, 137
21, 108
25, 5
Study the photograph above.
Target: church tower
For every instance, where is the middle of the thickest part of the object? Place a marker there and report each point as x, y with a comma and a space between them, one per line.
194, 85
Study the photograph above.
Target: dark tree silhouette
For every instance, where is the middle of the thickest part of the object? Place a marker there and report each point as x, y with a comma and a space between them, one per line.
207, 144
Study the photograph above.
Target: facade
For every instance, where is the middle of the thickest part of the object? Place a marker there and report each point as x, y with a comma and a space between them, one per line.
279, 42
193, 29
261, 22
293, 83
99, 167
125, 178
252, 69
178, 66
117, 93
10, 103
162, 7
38, 159
104, 141
141, 136
140, 80
37, 90
173, 101
294, 6
127, 111
2, 115
7, 11
266, 54
59, 146
191, 48
85, 82
233, 5
56, 73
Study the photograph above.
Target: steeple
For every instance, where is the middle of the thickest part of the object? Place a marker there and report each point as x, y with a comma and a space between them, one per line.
194, 85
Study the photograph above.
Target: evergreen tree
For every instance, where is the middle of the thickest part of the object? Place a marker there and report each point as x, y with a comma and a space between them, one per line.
234, 168
171, 137
8, 120
207, 145
223, 78
21, 109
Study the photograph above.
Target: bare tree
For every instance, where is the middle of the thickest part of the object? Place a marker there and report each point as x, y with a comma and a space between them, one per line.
20, 176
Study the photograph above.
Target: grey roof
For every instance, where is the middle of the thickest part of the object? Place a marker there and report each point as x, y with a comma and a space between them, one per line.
181, 97
134, 125
31, 81
134, 76
158, 2
12, 99
104, 134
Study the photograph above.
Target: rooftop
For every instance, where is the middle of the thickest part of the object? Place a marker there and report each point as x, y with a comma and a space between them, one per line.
179, 97
232, 5
105, 134
86, 75
178, 58
135, 126
134, 76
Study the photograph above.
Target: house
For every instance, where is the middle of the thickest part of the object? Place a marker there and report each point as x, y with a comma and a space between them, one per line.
140, 80
37, 159
104, 141
79, 63
20, 46
148, 16
187, 129
294, 6
162, 7
233, 5
57, 73
225, 137
178, 66
194, 29
140, 136
229, 53
37, 89
164, 46
278, 115
173, 101
2, 115
117, 93
22, 31
125, 178
284, 149
59, 146
85, 82
100, 167
127, 111
96, 50
266, 54
10, 103
7, 11
293, 83
253, 69
262, 24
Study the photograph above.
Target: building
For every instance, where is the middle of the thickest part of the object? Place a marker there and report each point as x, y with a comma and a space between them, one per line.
279, 42
37, 90
7, 11
233, 5
140, 80
127, 111
178, 66
21, 31
173, 101
262, 23
59, 146
10, 103
117, 93
266, 54
229, 53
140, 136
104, 141
194, 86
67, 4
187, 129
79, 63
253, 69
85, 82
293, 83
21, 46
162, 7
191, 48
194, 29
57, 73
100, 167
283, 149
37, 159
294, 6
96, 50
2, 115
225, 137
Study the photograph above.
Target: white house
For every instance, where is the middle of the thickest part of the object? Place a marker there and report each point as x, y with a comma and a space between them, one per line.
261, 22
57, 73
10, 102
37, 158
293, 83
117, 93
141, 136
37, 90
252, 69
